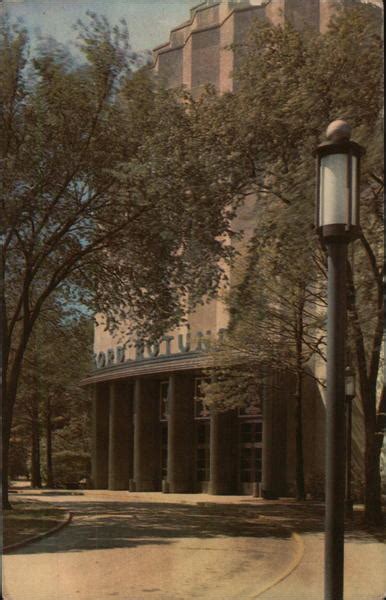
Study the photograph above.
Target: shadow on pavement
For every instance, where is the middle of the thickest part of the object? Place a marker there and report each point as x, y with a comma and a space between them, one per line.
308, 517
100, 525
52, 493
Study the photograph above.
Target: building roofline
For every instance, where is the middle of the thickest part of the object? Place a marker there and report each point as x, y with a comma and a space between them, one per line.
188, 22
149, 366
164, 49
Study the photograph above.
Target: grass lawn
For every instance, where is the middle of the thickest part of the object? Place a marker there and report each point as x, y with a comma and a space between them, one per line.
28, 519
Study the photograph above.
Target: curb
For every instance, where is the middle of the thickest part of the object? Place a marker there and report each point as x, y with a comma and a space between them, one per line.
39, 536
299, 553
291, 567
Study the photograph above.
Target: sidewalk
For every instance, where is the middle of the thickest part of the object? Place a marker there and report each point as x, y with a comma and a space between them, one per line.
364, 578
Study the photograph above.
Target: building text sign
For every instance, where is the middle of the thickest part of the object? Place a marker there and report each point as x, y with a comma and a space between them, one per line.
186, 343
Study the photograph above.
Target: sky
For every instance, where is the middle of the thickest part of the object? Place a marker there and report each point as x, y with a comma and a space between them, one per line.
149, 21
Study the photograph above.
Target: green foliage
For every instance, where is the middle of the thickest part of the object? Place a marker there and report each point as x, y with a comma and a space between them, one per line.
70, 467
110, 196
49, 398
289, 86
18, 464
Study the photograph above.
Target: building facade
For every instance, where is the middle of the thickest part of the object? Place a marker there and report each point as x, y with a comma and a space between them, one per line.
150, 429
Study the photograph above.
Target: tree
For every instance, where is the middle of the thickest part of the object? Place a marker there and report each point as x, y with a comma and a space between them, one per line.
109, 196
289, 86
51, 409
277, 318
66, 404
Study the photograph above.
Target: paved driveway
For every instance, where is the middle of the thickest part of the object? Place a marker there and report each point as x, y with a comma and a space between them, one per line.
165, 547
138, 549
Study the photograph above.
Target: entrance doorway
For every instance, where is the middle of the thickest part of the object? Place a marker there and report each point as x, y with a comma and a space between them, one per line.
202, 434
250, 454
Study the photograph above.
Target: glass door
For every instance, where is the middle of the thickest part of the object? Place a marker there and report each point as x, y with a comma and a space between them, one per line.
250, 454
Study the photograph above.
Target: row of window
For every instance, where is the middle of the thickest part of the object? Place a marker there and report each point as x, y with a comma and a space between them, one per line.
250, 444
203, 450
250, 467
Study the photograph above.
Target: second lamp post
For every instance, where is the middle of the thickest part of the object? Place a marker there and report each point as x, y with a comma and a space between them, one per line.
350, 395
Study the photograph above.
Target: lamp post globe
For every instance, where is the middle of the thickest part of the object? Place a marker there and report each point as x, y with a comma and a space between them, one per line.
349, 382
338, 130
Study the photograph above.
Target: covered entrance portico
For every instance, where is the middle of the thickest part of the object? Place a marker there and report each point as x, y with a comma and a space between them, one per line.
153, 433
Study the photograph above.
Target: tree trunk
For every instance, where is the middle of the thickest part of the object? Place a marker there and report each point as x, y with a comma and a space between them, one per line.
6, 505
373, 446
373, 496
368, 393
36, 480
5, 421
299, 331
50, 474
9, 398
10, 380
300, 486
374, 425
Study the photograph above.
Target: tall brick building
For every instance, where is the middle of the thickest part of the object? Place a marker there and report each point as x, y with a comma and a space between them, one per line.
150, 428
197, 52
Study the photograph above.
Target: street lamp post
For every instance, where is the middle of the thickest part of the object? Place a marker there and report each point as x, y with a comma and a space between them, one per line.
350, 395
337, 222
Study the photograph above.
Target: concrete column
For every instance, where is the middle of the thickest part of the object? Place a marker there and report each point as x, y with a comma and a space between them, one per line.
100, 436
187, 64
328, 8
147, 452
120, 432
268, 475
180, 466
223, 452
275, 12
274, 439
280, 434
302, 14
227, 33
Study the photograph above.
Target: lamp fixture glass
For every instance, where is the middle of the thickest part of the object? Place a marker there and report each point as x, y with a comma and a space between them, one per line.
349, 382
338, 186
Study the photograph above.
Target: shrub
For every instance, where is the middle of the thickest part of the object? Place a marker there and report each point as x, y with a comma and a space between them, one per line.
70, 467
18, 459
315, 485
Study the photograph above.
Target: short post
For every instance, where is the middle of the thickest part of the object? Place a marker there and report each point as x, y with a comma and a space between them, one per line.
350, 395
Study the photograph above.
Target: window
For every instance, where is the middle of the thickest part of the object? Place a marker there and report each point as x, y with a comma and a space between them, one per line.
250, 448
200, 410
202, 449
164, 387
164, 449
251, 432
251, 410
251, 465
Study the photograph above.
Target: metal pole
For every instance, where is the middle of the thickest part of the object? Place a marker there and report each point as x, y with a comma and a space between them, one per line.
335, 421
349, 502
